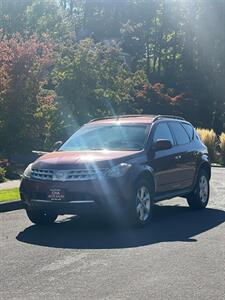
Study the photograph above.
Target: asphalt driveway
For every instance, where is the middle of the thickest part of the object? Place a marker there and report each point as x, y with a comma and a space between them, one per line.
181, 255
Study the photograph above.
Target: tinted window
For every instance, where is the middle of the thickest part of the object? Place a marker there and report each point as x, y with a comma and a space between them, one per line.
162, 132
107, 137
180, 133
189, 129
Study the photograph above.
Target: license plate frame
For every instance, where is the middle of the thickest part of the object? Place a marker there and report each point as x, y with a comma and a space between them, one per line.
56, 194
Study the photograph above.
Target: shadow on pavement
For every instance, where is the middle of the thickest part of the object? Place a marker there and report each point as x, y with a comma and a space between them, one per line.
171, 223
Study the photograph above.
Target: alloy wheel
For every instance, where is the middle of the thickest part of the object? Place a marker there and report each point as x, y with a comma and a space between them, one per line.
203, 189
143, 203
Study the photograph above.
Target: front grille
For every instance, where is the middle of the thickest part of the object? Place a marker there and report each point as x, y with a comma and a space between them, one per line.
85, 174
68, 175
43, 174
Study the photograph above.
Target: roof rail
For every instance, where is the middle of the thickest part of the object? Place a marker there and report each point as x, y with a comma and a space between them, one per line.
167, 117
117, 117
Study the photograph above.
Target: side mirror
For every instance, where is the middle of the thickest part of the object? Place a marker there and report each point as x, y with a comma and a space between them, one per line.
57, 145
162, 145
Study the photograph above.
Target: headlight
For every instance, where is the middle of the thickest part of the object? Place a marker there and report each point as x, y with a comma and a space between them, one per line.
118, 170
27, 172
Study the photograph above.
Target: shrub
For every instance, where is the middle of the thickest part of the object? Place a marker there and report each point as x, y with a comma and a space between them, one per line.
209, 138
222, 147
2, 174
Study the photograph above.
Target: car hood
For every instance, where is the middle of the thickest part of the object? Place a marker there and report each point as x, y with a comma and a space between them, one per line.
70, 159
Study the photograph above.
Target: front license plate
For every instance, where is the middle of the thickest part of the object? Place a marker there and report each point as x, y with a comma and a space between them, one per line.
56, 195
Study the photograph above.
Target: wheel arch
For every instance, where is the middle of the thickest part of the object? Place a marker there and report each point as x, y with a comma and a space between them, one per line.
146, 174
206, 167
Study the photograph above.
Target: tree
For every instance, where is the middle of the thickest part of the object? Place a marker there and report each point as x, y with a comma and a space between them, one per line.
24, 103
46, 17
13, 15
93, 80
147, 56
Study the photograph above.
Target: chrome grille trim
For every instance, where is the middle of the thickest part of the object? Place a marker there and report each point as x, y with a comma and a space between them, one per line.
43, 174
69, 175
85, 174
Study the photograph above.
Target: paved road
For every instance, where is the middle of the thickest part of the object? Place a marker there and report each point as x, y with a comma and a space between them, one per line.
180, 256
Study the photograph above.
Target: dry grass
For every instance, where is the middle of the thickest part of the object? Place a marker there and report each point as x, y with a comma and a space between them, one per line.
208, 137
222, 147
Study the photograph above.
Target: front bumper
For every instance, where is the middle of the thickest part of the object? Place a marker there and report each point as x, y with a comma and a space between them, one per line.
87, 196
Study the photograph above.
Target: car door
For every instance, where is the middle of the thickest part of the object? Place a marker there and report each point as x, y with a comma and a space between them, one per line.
163, 162
185, 154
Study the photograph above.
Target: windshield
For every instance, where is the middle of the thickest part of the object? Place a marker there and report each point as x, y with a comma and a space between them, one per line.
107, 137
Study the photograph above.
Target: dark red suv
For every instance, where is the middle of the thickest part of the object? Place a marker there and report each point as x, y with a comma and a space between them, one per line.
119, 166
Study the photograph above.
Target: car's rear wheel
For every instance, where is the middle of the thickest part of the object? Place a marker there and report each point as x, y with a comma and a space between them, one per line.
142, 204
40, 217
200, 196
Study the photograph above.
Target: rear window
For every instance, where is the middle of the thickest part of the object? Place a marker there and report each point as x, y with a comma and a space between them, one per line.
180, 133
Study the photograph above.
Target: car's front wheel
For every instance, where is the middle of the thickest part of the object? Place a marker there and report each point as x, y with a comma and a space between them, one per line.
200, 196
142, 204
40, 217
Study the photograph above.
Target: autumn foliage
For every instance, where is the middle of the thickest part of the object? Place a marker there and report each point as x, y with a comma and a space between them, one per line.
23, 68
65, 62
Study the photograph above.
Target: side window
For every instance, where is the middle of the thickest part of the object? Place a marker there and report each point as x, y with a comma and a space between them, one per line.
162, 132
189, 129
180, 133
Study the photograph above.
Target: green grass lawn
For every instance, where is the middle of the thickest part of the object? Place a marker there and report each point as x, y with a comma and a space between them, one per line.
9, 195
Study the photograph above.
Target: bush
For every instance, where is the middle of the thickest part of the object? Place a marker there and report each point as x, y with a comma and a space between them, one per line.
2, 174
222, 148
209, 138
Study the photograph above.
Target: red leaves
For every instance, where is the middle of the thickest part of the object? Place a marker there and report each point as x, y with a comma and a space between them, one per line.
47, 101
140, 94
158, 92
19, 57
24, 66
177, 98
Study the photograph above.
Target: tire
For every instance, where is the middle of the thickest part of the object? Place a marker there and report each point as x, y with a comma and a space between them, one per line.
199, 198
141, 210
41, 217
